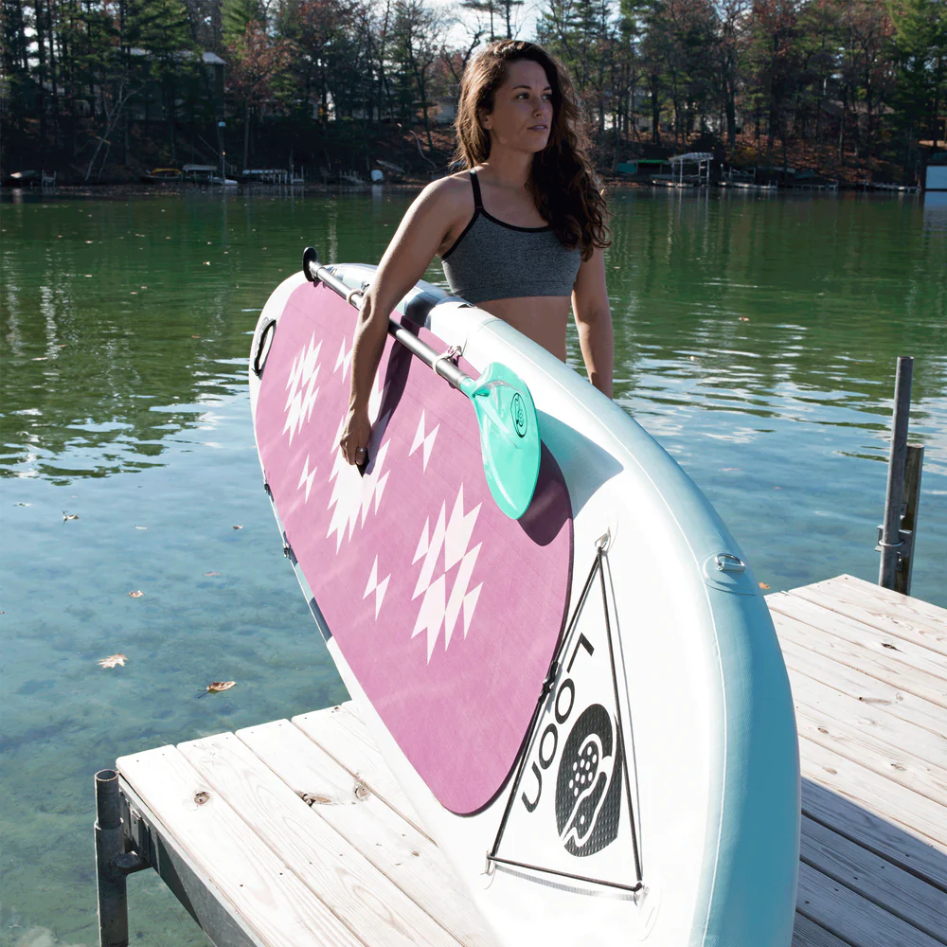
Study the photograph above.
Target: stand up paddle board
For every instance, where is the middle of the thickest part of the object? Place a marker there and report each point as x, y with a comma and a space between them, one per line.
584, 698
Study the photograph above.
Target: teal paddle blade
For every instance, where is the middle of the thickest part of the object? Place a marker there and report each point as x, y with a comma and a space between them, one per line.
509, 436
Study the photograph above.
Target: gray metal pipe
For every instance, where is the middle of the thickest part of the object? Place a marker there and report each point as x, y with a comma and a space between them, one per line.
109, 845
891, 530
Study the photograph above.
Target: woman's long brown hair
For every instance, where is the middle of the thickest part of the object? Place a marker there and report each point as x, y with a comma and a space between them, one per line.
563, 182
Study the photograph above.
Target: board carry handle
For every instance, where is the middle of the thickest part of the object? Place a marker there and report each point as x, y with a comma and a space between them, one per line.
262, 349
509, 429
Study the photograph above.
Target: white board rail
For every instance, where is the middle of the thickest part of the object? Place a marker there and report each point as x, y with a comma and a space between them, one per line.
294, 832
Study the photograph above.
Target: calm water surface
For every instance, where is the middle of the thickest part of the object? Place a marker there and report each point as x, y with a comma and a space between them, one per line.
755, 339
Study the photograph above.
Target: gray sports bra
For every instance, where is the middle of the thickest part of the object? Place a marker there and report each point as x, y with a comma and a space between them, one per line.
494, 260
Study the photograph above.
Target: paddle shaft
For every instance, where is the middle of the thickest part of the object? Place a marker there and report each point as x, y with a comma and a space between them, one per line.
436, 360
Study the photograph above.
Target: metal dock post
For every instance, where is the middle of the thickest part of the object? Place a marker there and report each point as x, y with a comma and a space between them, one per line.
896, 536
112, 863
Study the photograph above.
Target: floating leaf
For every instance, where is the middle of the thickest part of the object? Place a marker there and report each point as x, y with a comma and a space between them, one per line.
763, 585
215, 687
211, 573
238, 527
744, 318
69, 516
141, 527
113, 660
137, 594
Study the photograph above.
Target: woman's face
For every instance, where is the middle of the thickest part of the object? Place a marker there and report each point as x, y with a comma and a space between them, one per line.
522, 109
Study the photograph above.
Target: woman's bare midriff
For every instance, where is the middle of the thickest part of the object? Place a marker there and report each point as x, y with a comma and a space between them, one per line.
541, 318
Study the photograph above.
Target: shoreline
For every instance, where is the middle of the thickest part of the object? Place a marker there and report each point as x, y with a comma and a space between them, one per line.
126, 190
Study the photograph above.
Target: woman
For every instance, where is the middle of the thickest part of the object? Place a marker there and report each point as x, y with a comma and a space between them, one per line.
520, 233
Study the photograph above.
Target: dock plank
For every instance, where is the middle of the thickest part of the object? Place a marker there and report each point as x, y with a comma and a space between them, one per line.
847, 914
261, 888
879, 742
875, 833
345, 738
880, 666
807, 933
901, 650
366, 901
867, 690
902, 608
915, 813
869, 609
876, 879
394, 846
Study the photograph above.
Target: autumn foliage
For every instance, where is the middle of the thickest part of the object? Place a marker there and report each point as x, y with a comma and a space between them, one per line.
848, 84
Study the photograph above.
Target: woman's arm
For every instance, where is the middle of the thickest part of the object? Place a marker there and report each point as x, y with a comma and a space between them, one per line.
419, 236
593, 319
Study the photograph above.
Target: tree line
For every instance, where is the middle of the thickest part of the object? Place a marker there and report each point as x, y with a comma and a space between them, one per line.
88, 82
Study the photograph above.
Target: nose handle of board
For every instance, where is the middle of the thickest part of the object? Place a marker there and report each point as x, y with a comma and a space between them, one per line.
310, 263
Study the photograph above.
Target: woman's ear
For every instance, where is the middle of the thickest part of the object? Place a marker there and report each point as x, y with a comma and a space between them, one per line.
483, 118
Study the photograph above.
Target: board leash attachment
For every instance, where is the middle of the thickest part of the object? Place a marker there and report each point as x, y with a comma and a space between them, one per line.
510, 445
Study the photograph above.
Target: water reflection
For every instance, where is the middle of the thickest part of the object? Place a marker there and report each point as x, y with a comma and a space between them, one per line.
121, 319
935, 212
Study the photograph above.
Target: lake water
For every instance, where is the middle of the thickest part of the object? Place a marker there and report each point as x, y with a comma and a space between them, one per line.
756, 339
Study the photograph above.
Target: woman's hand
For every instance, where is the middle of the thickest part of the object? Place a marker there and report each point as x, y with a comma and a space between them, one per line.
356, 433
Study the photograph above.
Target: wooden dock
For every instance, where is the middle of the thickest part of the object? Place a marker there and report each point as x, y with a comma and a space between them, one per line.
294, 833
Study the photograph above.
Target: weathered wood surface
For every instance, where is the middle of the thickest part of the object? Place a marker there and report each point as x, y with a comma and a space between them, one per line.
868, 669
306, 838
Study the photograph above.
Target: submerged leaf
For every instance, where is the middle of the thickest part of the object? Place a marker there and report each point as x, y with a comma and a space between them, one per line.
113, 660
238, 527
137, 594
763, 585
69, 516
211, 573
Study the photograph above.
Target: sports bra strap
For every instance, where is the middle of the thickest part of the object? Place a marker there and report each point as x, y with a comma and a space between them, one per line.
478, 202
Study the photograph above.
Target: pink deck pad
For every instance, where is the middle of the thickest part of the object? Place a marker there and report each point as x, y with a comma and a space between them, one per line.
446, 611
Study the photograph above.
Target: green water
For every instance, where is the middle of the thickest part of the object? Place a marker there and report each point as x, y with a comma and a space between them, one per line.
755, 339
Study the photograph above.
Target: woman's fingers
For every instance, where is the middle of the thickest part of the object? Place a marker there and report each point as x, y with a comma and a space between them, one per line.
355, 438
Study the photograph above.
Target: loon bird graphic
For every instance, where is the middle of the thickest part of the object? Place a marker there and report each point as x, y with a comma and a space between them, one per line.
588, 788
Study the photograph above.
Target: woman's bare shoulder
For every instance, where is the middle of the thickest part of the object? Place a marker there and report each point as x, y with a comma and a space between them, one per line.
448, 194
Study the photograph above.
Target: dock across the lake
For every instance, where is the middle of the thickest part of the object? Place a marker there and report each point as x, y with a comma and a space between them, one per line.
295, 834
